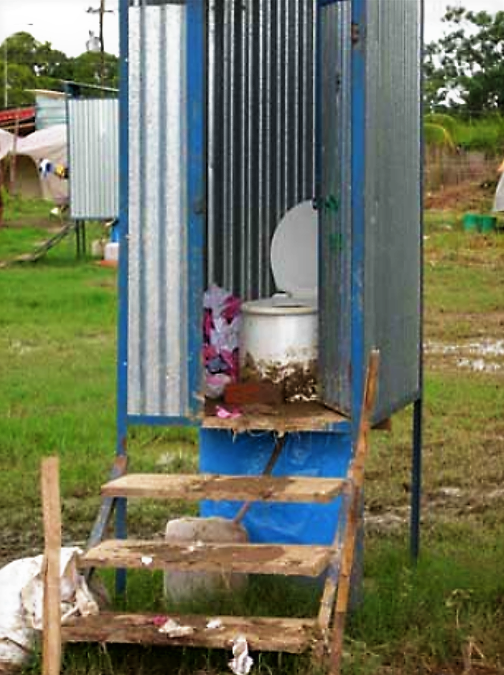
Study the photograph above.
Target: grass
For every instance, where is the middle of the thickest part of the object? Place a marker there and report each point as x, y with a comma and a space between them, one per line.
484, 134
57, 371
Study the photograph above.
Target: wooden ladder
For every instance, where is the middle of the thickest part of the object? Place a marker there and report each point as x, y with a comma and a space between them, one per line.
322, 634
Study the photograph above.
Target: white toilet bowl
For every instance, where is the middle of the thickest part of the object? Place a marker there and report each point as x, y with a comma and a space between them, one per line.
279, 336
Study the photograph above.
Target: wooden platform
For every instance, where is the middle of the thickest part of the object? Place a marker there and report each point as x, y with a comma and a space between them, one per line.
232, 488
289, 417
296, 560
263, 634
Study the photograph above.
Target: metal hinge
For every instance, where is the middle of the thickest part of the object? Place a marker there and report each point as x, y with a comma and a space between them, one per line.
356, 33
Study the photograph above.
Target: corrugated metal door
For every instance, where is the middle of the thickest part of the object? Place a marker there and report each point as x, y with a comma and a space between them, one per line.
334, 202
392, 279
165, 252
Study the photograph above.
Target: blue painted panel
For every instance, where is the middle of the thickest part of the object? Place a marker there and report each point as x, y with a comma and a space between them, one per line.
304, 454
196, 190
359, 16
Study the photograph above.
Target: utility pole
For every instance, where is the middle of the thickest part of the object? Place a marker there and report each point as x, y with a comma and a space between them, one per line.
101, 11
6, 79
102, 45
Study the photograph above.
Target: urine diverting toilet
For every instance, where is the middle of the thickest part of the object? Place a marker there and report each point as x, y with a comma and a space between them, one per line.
279, 335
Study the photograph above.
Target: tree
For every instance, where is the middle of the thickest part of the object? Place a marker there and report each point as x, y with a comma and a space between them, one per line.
20, 79
36, 65
87, 67
465, 69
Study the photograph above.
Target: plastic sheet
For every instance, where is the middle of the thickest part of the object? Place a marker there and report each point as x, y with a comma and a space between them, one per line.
221, 327
304, 454
21, 606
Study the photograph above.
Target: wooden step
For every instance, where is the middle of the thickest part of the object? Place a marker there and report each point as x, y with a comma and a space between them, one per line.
263, 634
234, 488
286, 418
245, 558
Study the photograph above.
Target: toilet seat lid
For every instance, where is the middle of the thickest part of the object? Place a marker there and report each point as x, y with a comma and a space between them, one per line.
294, 252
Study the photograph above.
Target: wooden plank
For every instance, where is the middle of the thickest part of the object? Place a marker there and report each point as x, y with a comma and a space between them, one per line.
232, 488
289, 417
263, 634
205, 557
354, 515
51, 507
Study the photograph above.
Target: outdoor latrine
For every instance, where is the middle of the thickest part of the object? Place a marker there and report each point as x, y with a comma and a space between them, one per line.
236, 112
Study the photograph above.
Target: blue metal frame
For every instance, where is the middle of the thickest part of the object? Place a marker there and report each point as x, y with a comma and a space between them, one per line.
161, 421
122, 338
196, 191
416, 468
196, 195
359, 15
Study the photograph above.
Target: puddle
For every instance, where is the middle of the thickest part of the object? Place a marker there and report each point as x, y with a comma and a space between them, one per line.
475, 355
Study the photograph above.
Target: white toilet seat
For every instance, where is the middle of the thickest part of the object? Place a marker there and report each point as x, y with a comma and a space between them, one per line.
294, 265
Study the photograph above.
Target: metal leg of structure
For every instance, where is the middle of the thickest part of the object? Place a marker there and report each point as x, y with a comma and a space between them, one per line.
416, 479
121, 533
121, 504
122, 339
80, 238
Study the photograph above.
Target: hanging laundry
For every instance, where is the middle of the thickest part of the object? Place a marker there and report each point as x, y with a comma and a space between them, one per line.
47, 168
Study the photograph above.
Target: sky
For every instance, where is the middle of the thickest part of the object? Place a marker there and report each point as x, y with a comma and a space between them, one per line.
66, 24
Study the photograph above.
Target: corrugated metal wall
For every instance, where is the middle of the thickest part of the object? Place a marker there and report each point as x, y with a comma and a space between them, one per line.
93, 142
261, 132
158, 276
49, 111
393, 199
335, 205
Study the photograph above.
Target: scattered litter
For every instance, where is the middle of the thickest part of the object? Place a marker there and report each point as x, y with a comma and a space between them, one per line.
22, 595
147, 560
241, 663
197, 545
450, 492
159, 621
228, 414
214, 624
173, 629
480, 365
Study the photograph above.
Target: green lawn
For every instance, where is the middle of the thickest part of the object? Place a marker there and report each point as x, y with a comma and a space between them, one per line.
57, 395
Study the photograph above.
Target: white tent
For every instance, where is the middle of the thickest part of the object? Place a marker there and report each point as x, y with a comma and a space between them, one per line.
499, 195
50, 144
6, 143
